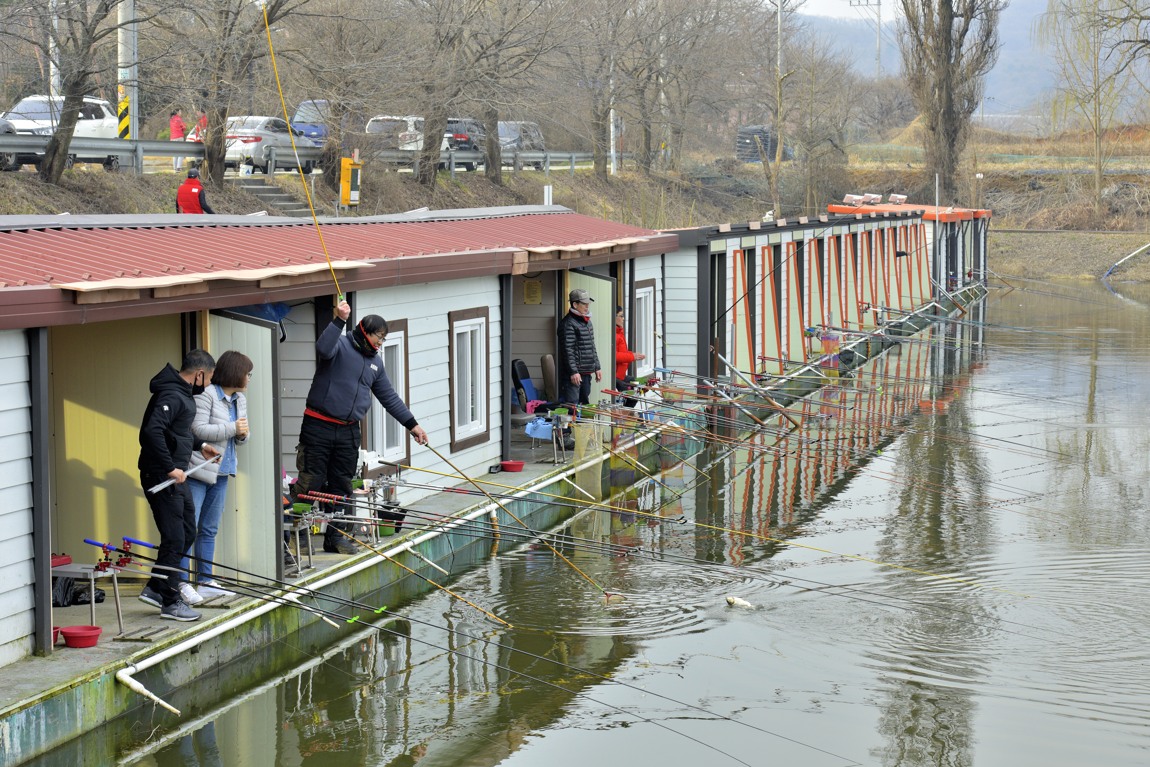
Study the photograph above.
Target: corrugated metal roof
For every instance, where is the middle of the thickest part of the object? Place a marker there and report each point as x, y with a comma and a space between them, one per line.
39, 251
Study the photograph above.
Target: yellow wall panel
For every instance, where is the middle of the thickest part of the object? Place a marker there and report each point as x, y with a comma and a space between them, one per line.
95, 427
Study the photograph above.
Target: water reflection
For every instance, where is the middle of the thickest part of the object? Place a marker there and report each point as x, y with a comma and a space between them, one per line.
947, 565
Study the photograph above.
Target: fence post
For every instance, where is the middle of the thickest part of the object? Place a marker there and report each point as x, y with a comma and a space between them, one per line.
572, 165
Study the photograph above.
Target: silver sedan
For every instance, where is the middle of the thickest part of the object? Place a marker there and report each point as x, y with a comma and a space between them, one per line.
252, 139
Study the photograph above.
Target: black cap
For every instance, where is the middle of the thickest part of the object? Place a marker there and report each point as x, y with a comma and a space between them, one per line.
193, 172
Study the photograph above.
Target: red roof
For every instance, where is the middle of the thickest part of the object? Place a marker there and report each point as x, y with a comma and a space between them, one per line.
40, 251
57, 270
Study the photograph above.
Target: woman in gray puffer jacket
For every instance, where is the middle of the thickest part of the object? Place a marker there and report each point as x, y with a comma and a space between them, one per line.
222, 420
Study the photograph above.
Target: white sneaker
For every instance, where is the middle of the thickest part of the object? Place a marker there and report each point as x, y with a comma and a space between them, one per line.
209, 589
189, 594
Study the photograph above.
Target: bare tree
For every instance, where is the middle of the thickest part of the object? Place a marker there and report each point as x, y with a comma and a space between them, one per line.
474, 54
350, 57
822, 99
947, 48
77, 38
1092, 78
604, 33
214, 46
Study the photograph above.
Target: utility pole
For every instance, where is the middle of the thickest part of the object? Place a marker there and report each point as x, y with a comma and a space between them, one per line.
877, 31
127, 71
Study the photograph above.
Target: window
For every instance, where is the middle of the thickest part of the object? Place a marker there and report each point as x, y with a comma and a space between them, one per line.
388, 437
644, 326
469, 377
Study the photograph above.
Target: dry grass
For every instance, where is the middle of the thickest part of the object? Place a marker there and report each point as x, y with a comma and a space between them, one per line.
1068, 255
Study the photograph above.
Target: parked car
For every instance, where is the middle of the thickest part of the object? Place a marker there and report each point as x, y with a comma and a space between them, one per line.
396, 132
250, 139
311, 118
8, 159
747, 149
39, 116
518, 136
466, 135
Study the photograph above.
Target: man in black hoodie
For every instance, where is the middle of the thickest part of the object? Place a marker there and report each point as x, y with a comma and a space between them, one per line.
166, 445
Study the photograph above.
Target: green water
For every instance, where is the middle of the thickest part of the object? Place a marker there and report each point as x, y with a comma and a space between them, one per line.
948, 566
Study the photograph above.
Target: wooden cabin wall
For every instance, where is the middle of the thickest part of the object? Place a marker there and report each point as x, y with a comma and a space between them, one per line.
681, 297
16, 573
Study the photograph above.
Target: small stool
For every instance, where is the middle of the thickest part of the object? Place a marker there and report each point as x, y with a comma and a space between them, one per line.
300, 528
91, 573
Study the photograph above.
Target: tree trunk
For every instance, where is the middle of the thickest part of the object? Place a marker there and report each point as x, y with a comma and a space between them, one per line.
600, 135
56, 156
493, 162
430, 156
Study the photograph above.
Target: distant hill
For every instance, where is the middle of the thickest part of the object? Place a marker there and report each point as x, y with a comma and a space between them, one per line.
1020, 77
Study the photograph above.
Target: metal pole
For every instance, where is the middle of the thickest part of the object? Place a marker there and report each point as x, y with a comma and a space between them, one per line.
54, 85
127, 75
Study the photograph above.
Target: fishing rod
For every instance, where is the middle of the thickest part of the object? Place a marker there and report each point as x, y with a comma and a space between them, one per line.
332, 616
573, 566
713, 418
757, 536
483, 530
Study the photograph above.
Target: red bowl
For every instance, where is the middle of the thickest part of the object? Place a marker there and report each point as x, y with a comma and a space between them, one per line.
511, 465
81, 636
55, 634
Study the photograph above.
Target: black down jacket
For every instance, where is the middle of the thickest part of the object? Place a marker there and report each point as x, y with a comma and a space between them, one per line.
576, 346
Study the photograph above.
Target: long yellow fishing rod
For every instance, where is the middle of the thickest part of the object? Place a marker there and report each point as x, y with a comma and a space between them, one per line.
295, 150
523, 524
440, 586
716, 528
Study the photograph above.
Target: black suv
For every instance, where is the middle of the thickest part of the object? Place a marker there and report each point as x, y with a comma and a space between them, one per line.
466, 135
747, 149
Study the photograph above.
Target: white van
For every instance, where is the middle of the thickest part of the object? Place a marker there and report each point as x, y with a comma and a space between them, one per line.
39, 115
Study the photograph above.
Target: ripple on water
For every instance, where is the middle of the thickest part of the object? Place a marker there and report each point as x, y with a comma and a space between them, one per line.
647, 598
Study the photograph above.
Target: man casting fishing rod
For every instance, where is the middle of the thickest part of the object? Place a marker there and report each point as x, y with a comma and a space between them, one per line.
349, 372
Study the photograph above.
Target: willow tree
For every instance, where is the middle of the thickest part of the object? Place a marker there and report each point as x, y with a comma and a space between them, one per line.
947, 49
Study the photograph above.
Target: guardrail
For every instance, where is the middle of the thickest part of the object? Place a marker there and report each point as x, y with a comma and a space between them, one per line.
132, 153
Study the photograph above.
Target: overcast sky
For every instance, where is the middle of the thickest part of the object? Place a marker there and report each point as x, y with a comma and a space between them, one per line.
850, 9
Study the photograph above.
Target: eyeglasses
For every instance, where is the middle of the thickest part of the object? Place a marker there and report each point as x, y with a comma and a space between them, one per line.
249, 376
379, 337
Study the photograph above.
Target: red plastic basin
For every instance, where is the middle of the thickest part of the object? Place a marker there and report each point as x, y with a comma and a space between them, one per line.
511, 465
81, 636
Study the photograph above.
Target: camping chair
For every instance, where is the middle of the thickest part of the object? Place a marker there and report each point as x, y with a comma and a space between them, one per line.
523, 392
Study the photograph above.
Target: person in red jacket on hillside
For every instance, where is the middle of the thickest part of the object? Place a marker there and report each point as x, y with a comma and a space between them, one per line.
623, 358
190, 197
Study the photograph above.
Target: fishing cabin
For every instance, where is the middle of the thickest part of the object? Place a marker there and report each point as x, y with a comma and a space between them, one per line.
94, 306
464, 292
775, 296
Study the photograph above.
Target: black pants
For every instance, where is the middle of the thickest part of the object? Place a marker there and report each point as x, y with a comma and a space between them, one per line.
572, 394
175, 515
327, 458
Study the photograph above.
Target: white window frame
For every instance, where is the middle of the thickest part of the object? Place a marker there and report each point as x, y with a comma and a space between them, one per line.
470, 387
643, 320
388, 437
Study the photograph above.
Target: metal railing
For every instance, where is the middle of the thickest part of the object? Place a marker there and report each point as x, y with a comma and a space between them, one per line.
130, 154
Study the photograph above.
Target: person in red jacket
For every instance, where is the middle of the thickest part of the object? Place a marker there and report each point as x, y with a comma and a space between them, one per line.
178, 129
623, 357
190, 196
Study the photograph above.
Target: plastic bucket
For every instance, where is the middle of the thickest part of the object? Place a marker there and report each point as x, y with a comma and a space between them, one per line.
81, 636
